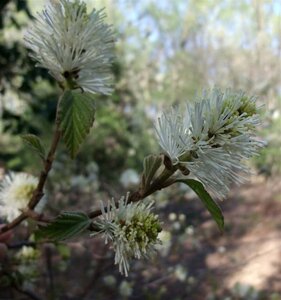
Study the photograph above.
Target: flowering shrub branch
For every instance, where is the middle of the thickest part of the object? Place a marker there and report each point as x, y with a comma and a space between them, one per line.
38, 192
204, 146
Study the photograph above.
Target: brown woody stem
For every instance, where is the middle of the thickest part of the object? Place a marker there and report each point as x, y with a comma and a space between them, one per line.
138, 195
38, 193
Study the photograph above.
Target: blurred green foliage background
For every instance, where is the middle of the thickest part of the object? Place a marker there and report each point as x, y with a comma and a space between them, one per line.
167, 53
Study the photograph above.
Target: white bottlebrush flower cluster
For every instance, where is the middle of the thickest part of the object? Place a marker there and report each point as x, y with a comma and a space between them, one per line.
76, 47
132, 228
16, 190
212, 138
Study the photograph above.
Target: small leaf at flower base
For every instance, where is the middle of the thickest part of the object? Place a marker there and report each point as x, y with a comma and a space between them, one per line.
207, 200
67, 225
76, 114
150, 166
35, 144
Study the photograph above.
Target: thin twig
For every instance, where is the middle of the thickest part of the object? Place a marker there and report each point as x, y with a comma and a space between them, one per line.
49, 266
138, 195
38, 193
95, 276
21, 244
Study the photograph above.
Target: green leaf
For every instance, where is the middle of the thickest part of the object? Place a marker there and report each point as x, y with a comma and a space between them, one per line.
76, 115
207, 200
35, 144
67, 225
150, 166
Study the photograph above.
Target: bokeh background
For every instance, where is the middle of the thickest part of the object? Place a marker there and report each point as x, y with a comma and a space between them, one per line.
167, 53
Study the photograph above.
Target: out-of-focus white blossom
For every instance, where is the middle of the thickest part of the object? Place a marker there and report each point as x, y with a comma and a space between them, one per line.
212, 137
180, 273
166, 242
129, 178
109, 280
16, 190
27, 253
132, 228
76, 47
125, 289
